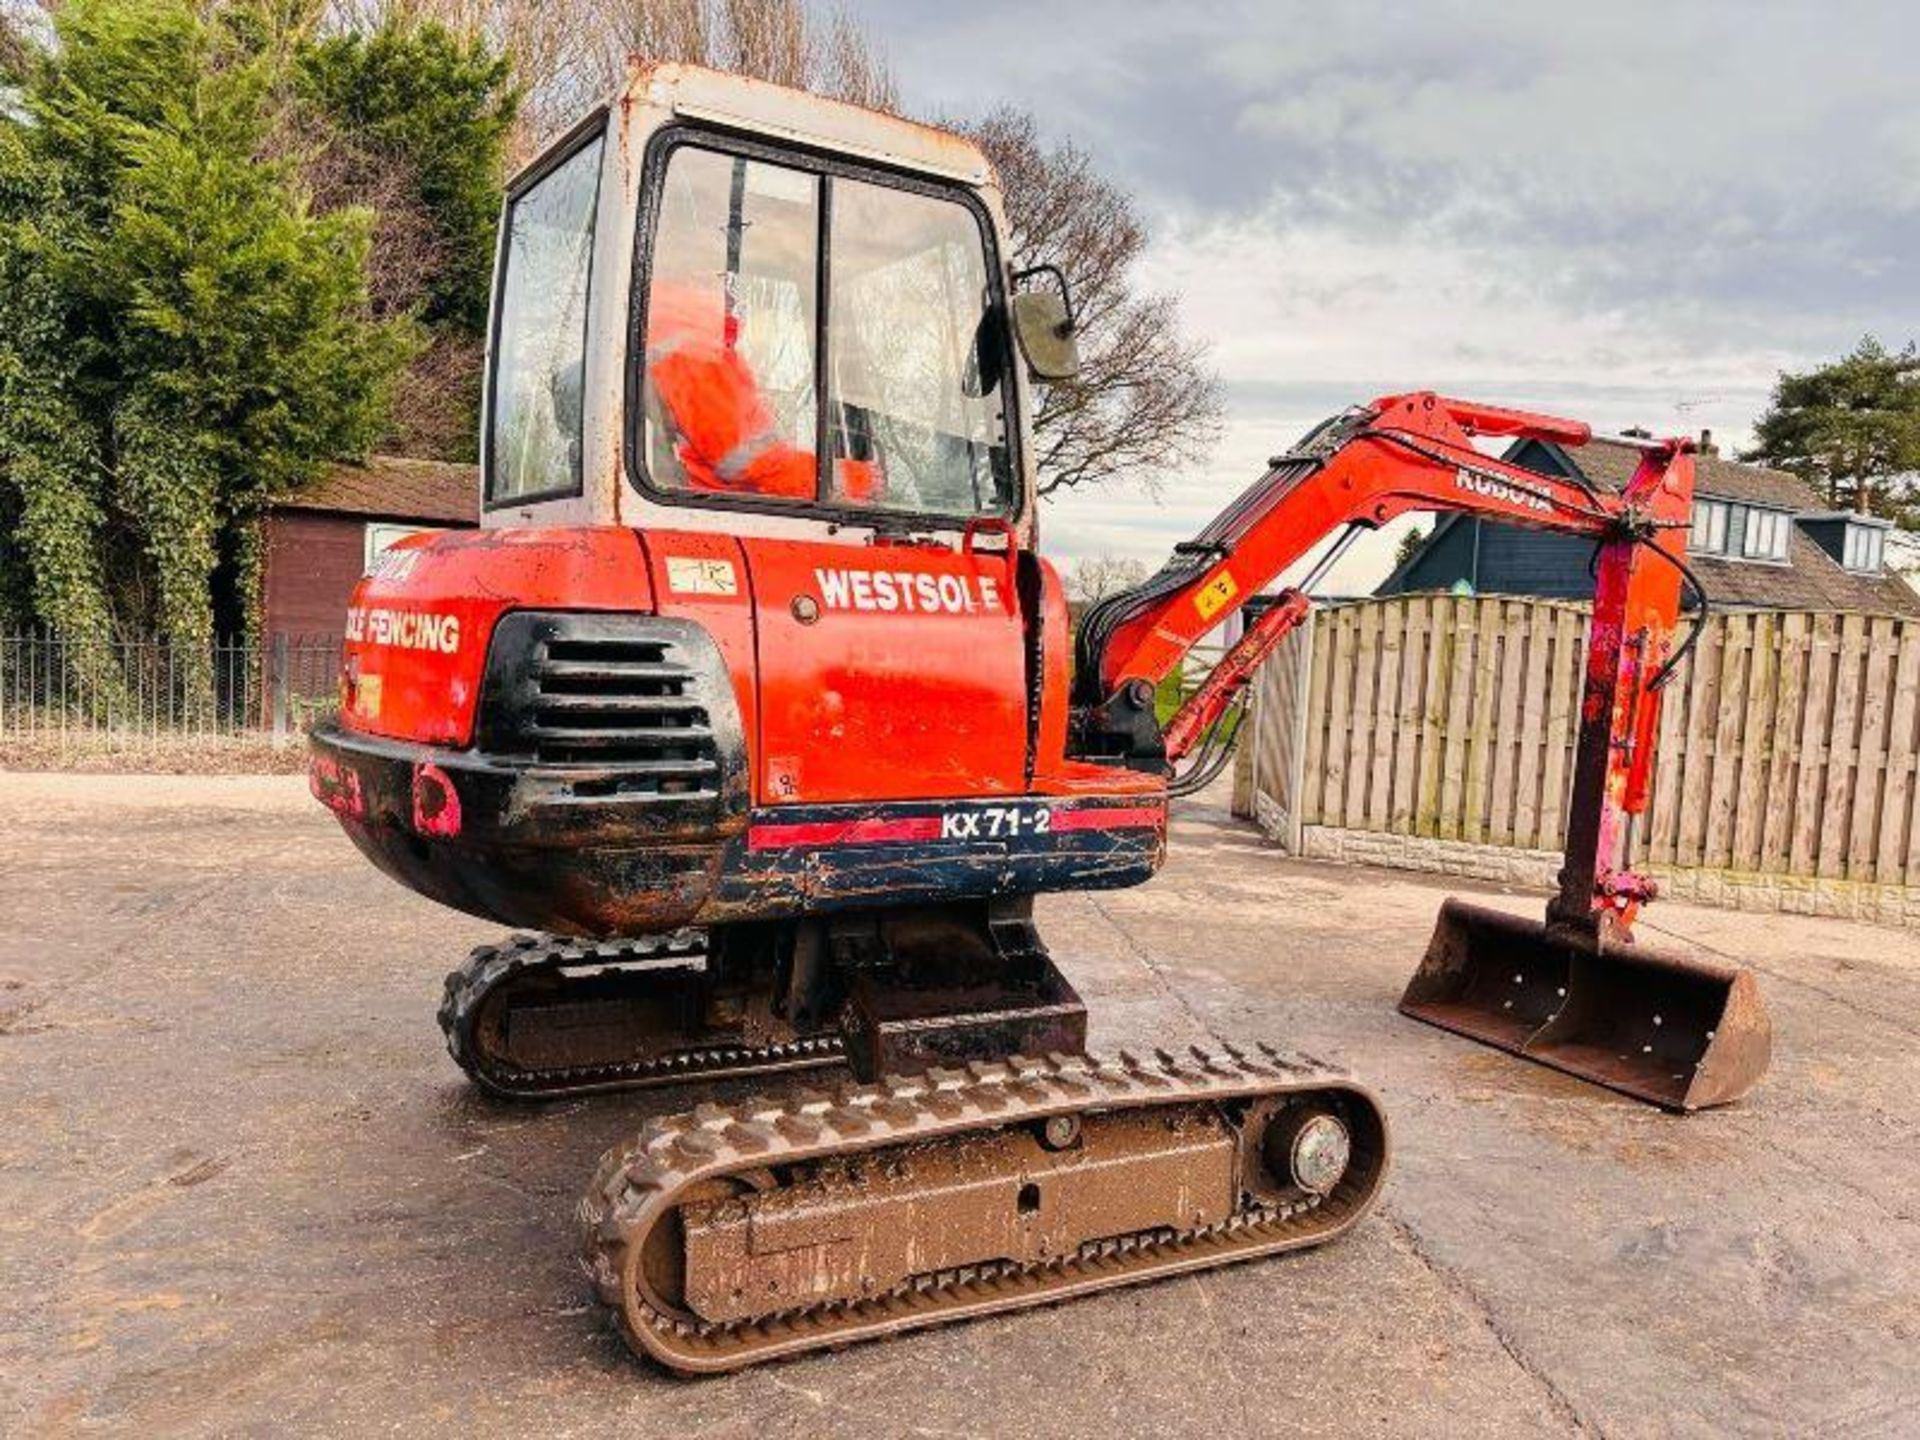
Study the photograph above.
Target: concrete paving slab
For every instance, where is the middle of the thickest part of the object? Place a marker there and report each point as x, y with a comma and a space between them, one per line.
248, 1194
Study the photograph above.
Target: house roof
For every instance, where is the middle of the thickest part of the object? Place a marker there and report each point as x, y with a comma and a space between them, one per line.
1810, 580
392, 486
1611, 463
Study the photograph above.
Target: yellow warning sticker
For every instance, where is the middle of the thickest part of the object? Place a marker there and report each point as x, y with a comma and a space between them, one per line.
1215, 595
366, 697
690, 575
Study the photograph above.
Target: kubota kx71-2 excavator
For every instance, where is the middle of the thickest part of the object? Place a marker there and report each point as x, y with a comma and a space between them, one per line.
753, 697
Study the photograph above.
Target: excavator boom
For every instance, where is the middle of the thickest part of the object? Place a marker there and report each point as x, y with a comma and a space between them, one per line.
1573, 992
1361, 470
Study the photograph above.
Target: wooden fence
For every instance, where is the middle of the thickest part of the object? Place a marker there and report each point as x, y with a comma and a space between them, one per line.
1788, 741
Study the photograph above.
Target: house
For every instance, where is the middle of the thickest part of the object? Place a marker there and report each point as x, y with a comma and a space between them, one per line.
320, 542
1761, 539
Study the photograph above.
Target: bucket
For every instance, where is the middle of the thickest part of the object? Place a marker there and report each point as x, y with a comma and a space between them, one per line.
1680, 1032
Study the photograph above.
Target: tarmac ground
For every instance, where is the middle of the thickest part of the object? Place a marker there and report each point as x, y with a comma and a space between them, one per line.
246, 1192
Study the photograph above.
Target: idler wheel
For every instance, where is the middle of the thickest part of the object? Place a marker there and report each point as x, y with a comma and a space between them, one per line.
1308, 1148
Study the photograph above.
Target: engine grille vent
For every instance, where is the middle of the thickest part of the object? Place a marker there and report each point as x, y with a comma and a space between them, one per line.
635, 704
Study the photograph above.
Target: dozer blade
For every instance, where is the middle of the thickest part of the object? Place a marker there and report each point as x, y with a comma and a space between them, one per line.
1683, 1033
731, 1235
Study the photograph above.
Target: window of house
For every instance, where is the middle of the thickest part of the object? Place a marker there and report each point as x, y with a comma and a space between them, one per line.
1709, 535
741, 365
1766, 534
1865, 549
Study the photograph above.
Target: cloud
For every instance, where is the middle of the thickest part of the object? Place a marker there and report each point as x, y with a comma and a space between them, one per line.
1636, 213
1306, 321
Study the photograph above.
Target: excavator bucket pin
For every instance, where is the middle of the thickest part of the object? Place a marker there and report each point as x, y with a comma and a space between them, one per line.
1680, 1032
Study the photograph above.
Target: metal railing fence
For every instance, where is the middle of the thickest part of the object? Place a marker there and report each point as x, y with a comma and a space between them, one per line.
67, 691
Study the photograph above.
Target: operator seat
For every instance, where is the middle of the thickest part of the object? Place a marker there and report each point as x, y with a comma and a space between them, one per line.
727, 436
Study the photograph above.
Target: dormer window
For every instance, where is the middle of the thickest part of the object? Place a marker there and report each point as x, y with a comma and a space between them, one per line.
1739, 532
1709, 535
1865, 549
1766, 535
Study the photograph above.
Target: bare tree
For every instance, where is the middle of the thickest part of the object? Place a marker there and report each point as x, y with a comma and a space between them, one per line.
436, 399
788, 42
407, 250
569, 53
851, 68
18, 42
1145, 401
1099, 576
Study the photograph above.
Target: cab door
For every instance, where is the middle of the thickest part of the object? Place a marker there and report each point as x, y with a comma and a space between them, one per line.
826, 375
887, 672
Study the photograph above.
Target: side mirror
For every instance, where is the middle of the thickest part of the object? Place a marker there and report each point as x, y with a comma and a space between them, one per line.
1043, 322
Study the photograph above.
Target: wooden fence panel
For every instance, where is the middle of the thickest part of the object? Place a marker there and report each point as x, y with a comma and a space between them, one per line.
1530, 759
1435, 702
1756, 740
1694, 772
1319, 686
1375, 746
1563, 680
1870, 770
1803, 843
1407, 718
1482, 686
1340, 680
1280, 730
1503, 740
1789, 743
1451, 820
1723, 764
1842, 729
1663, 810
1789, 720
1898, 854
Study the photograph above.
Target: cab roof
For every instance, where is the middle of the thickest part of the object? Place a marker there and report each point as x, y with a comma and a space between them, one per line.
735, 102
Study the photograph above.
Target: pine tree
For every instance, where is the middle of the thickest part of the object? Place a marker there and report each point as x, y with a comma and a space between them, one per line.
441, 106
1851, 428
181, 338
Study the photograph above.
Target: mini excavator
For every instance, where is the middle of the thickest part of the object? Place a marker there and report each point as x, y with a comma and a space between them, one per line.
754, 705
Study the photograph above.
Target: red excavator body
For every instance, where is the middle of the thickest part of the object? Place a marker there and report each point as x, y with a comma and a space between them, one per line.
607, 731
755, 695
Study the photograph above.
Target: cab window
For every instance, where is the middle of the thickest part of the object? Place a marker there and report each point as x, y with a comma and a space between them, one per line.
739, 367
730, 401
533, 435
911, 338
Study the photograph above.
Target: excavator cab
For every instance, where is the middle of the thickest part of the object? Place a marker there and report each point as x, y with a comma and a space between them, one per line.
792, 332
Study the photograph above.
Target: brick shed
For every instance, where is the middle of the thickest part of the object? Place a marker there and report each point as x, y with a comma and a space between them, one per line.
319, 542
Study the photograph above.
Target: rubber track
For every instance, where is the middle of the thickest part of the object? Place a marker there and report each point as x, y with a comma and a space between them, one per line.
490, 967
637, 1185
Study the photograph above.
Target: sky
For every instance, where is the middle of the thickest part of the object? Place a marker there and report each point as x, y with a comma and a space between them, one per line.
1633, 214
